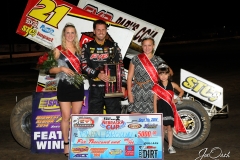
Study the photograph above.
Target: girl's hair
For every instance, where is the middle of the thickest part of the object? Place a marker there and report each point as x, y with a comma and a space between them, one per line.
148, 38
99, 22
75, 41
163, 68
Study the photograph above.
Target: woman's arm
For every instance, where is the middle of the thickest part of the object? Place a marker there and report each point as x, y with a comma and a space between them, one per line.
155, 103
129, 82
171, 71
179, 89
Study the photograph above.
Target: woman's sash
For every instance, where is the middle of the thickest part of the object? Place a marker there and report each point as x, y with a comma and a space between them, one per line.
149, 67
167, 96
72, 58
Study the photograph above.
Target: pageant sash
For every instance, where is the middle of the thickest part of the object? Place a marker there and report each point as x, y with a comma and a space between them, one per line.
72, 59
149, 67
167, 96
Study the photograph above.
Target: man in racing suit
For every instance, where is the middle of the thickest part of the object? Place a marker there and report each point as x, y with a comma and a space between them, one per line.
94, 55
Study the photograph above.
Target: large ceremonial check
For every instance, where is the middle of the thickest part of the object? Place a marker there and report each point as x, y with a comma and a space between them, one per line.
123, 136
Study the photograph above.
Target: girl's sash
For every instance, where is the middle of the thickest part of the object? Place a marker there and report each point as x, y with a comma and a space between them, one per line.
72, 58
167, 96
149, 67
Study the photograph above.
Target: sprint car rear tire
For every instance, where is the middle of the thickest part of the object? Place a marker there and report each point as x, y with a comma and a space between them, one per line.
20, 122
196, 122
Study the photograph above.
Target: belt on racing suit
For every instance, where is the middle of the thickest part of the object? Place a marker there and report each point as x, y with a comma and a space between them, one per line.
142, 83
96, 82
97, 85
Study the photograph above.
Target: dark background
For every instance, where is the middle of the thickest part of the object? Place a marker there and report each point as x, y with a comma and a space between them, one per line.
181, 20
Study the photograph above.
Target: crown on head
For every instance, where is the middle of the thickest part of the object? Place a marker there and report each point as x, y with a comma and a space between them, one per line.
147, 36
69, 24
163, 65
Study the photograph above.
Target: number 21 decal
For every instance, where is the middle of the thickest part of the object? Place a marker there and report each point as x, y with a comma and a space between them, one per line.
47, 12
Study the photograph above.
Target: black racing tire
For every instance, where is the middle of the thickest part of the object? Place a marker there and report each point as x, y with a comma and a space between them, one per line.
20, 122
197, 123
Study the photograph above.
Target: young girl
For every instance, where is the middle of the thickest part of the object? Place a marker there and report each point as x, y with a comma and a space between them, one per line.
164, 102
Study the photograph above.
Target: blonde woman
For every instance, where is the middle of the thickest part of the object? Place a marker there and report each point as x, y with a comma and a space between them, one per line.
143, 69
70, 98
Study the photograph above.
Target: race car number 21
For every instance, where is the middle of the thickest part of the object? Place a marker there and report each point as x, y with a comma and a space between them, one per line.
48, 12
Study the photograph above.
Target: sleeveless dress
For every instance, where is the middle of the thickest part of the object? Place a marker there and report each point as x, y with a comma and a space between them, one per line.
67, 92
143, 95
164, 108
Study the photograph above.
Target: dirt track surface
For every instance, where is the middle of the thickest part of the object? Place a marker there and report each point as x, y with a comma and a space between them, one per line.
216, 62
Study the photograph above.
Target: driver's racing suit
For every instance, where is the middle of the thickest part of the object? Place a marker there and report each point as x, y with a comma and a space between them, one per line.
94, 56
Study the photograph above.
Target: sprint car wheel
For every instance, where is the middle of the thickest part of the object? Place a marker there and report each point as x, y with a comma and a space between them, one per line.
196, 122
20, 122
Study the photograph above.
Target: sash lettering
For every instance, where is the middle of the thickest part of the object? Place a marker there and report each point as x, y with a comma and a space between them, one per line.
72, 58
167, 96
150, 69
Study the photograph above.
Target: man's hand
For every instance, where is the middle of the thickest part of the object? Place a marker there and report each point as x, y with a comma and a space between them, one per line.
102, 76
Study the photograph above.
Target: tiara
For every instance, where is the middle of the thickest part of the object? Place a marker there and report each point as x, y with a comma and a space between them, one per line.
163, 66
69, 24
147, 36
